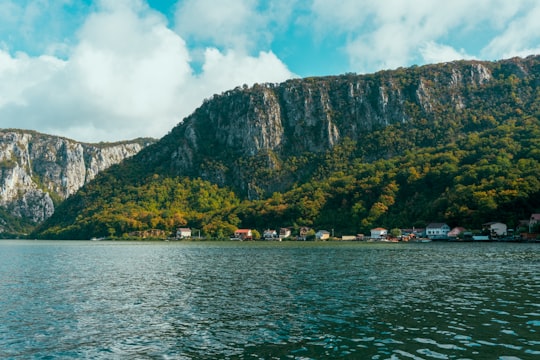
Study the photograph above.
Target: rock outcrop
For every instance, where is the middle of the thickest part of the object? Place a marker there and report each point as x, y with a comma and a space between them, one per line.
38, 170
266, 124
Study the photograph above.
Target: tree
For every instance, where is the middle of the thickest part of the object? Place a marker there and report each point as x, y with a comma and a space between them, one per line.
395, 232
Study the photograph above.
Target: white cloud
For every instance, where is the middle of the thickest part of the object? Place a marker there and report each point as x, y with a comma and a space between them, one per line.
521, 37
392, 33
433, 52
224, 24
220, 70
240, 25
128, 75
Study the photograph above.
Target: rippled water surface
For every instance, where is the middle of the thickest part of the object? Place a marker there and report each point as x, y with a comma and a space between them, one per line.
269, 300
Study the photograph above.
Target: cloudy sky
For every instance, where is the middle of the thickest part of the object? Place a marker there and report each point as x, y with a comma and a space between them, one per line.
107, 70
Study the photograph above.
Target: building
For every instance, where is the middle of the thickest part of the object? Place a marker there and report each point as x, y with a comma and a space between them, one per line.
303, 232
322, 235
182, 233
379, 233
495, 229
270, 234
437, 231
284, 233
243, 234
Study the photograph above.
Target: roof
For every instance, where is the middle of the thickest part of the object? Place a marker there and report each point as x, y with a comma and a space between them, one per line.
241, 231
184, 229
435, 225
535, 216
457, 230
378, 229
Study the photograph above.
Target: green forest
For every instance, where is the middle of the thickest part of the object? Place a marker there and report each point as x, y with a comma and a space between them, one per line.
462, 166
485, 176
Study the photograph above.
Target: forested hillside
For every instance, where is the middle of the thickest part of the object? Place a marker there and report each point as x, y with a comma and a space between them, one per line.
456, 142
38, 171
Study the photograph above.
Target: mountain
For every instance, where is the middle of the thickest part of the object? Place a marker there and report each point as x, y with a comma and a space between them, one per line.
456, 142
39, 171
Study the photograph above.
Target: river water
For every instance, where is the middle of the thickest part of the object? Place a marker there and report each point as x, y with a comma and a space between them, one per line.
238, 300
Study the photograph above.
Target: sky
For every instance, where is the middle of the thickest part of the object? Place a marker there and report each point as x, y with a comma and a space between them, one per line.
111, 70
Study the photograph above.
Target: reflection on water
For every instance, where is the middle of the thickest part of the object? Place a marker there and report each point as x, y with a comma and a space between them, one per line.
269, 301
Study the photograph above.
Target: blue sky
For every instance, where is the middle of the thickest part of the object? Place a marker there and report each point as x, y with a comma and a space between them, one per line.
107, 70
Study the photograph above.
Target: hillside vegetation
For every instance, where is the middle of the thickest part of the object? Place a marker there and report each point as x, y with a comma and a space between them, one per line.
456, 142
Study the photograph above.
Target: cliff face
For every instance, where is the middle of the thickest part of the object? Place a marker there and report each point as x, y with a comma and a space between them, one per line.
265, 125
37, 168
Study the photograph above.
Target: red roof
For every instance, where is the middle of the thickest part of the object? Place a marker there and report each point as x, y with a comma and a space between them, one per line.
242, 231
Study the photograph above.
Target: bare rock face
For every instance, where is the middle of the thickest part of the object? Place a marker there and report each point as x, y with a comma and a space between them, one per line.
266, 124
37, 168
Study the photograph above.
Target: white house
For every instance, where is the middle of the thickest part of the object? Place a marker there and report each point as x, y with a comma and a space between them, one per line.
322, 235
379, 233
182, 233
437, 231
495, 229
270, 234
284, 233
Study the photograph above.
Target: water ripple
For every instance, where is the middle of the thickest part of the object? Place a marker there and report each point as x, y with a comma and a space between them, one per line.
269, 301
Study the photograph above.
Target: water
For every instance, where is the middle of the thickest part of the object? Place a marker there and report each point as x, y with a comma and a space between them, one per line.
269, 300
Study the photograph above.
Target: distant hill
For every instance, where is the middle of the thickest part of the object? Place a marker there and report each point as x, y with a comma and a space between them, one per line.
456, 142
39, 171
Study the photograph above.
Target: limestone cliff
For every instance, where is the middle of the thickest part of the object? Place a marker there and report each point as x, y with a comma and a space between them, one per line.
38, 170
232, 136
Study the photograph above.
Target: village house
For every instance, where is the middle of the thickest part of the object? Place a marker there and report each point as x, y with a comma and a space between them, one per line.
379, 233
322, 235
437, 231
243, 234
270, 234
495, 229
284, 233
303, 232
182, 233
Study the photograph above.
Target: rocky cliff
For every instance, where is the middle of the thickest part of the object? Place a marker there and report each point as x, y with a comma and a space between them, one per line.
38, 170
231, 137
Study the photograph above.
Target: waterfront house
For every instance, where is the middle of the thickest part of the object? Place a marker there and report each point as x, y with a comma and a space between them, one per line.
495, 229
379, 233
437, 231
270, 234
243, 234
322, 235
303, 232
182, 233
284, 233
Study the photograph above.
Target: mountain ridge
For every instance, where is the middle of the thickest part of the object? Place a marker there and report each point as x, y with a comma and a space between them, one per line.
38, 171
272, 138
